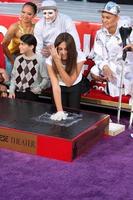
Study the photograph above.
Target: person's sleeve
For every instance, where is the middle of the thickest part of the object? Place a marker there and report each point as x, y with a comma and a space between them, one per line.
81, 57
38, 33
100, 52
49, 60
44, 76
13, 78
131, 37
71, 28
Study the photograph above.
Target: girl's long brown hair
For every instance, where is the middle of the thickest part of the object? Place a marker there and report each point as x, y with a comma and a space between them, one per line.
71, 62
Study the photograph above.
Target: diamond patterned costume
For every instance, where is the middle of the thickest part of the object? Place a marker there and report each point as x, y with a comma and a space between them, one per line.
28, 73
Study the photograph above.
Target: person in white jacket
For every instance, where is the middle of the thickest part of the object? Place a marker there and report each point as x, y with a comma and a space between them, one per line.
108, 51
50, 26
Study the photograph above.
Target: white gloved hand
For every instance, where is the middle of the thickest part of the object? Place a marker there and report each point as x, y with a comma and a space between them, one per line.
58, 116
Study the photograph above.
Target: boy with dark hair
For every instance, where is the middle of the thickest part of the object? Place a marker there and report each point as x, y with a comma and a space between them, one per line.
27, 78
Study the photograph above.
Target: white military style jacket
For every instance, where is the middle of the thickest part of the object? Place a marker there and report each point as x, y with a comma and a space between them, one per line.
108, 50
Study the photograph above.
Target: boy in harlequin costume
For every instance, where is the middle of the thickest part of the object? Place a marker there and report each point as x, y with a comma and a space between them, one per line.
49, 27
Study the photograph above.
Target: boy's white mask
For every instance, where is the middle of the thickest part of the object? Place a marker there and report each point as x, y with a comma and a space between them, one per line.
49, 15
